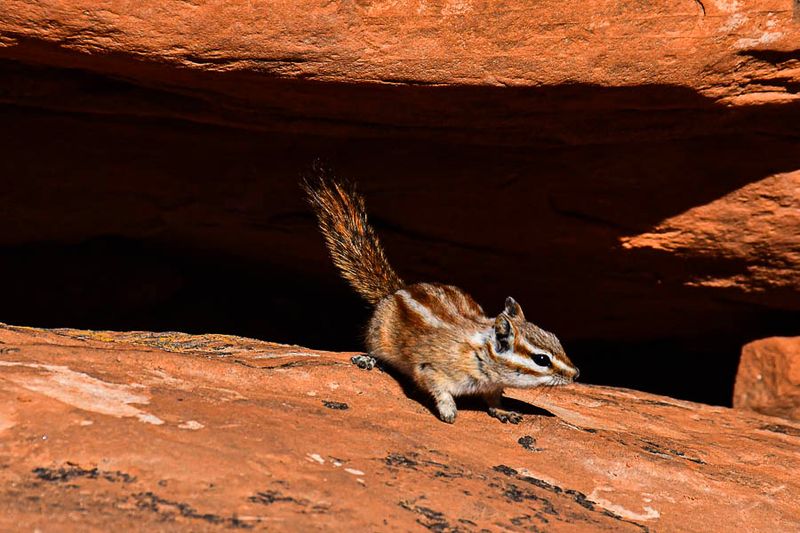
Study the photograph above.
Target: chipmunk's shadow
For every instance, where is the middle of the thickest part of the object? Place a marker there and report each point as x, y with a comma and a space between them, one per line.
464, 403
525, 408
477, 403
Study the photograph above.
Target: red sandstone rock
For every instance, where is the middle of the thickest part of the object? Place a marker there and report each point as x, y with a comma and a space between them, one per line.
143, 431
230, 54
768, 380
629, 168
757, 225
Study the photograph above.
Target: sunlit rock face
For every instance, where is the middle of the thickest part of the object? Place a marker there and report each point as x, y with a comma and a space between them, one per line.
165, 430
768, 379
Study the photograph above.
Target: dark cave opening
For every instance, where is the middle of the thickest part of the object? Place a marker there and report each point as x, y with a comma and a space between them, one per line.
119, 284
129, 220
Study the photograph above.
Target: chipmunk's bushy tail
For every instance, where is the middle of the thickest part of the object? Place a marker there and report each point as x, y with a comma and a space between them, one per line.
352, 242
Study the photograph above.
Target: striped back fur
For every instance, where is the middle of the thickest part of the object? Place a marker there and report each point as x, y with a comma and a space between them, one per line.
352, 243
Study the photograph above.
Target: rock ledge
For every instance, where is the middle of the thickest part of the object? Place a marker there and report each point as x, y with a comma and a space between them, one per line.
142, 430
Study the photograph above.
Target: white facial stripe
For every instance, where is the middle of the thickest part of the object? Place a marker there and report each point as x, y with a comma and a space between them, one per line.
522, 361
527, 381
479, 338
423, 312
556, 362
561, 365
533, 349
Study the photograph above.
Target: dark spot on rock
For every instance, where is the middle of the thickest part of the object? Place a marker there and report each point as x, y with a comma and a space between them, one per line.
430, 519
72, 471
578, 497
445, 470
503, 469
783, 430
656, 449
529, 522
166, 508
529, 443
340, 406
581, 499
682, 455
396, 459
517, 494
513, 493
541, 484
448, 474
292, 364
414, 462
268, 497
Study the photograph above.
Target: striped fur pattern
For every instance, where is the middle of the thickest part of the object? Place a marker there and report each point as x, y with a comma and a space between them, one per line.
440, 336
436, 334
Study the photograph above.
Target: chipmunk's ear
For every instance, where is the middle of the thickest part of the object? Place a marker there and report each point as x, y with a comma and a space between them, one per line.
513, 309
503, 333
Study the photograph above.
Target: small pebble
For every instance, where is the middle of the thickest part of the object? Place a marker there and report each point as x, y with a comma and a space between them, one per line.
191, 424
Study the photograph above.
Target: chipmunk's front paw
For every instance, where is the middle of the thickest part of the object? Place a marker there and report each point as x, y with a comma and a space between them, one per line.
365, 362
448, 416
446, 407
506, 417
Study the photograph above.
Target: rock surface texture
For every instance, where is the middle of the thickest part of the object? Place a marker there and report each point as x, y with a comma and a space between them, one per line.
736, 53
143, 431
628, 169
768, 380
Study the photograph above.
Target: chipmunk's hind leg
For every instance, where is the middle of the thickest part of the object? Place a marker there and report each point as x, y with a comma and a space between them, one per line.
436, 385
495, 402
364, 362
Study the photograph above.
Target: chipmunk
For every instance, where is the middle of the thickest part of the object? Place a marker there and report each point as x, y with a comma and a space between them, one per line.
434, 333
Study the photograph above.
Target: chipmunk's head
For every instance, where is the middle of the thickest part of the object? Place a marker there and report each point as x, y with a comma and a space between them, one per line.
528, 356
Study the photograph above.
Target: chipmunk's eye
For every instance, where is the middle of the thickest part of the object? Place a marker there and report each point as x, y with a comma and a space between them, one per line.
542, 360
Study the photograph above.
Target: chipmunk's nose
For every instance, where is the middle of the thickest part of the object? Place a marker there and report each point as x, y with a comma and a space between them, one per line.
577, 374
